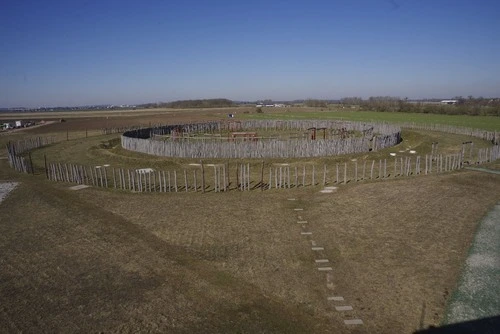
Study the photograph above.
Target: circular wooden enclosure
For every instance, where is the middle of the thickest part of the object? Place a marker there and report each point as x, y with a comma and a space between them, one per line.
241, 139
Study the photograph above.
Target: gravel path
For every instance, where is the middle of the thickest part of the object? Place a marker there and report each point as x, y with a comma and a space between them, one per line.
477, 295
6, 188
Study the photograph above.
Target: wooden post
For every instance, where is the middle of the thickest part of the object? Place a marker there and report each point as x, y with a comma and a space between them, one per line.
288, 174
105, 176
304, 176
371, 171
114, 178
337, 174
224, 176
149, 181
296, 177
215, 178
262, 176
345, 172
270, 177
186, 180
279, 177
248, 176
160, 189
175, 180
31, 164
46, 170
324, 174
313, 178
237, 176
170, 184
202, 178
364, 169
356, 171
195, 181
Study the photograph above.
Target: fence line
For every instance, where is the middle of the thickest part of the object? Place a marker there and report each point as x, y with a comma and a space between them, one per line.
245, 177
251, 176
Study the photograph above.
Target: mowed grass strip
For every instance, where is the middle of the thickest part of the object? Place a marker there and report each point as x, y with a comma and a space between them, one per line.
491, 123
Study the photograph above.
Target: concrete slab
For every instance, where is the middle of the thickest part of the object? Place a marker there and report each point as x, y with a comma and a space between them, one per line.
325, 269
326, 191
353, 322
298, 209
292, 199
343, 308
336, 298
306, 233
317, 248
322, 261
79, 187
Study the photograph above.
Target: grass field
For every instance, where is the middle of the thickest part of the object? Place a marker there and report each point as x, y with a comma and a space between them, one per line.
490, 123
109, 261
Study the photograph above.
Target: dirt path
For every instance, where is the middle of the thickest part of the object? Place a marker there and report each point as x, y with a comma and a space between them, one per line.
477, 293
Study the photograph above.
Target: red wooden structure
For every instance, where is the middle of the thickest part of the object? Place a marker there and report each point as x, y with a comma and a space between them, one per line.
250, 136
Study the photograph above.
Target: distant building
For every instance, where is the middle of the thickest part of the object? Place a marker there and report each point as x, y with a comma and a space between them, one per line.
449, 101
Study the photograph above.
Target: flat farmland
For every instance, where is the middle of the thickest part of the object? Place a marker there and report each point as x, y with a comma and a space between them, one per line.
99, 260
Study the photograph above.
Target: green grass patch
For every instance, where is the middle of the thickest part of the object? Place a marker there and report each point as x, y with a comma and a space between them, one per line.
491, 123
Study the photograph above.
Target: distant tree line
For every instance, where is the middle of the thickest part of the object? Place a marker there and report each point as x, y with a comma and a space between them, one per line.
184, 104
316, 103
464, 106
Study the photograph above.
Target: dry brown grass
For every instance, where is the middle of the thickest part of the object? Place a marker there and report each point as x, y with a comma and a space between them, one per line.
98, 260
231, 262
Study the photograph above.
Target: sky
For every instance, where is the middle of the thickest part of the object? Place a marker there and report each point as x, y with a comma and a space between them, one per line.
70, 53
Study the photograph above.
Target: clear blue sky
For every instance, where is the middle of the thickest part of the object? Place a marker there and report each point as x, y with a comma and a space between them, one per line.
126, 52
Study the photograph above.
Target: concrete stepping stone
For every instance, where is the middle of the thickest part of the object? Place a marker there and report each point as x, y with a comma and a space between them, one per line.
298, 209
343, 308
306, 233
353, 322
336, 298
325, 269
322, 261
79, 187
317, 248
292, 199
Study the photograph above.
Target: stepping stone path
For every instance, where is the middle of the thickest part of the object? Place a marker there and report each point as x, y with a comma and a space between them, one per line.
334, 299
